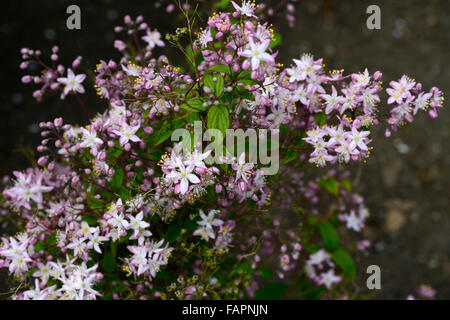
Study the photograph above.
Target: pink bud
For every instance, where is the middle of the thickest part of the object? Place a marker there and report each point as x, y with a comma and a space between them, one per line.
377, 76
433, 113
26, 79
58, 122
127, 20
42, 160
228, 58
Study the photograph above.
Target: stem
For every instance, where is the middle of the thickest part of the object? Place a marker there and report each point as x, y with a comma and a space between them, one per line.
85, 108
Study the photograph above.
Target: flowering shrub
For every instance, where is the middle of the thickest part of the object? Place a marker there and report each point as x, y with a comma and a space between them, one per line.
118, 210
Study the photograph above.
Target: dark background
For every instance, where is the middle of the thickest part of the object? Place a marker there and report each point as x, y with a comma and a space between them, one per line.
405, 181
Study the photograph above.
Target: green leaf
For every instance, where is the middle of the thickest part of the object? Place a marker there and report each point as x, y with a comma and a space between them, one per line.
109, 262
209, 82
345, 261
94, 203
39, 246
220, 68
222, 4
330, 185
346, 184
329, 235
194, 104
219, 85
276, 42
173, 232
320, 118
271, 291
161, 135
265, 272
191, 224
290, 155
218, 118
118, 177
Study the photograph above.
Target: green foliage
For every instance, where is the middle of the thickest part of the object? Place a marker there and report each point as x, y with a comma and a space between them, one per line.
218, 118
330, 185
329, 235
345, 261
320, 118
290, 156
271, 291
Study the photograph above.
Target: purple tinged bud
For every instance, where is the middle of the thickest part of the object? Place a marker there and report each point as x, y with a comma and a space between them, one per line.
58, 122
377, 76
42, 160
242, 186
37, 94
249, 26
433, 113
26, 79
127, 20
101, 156
228, 58
112, 64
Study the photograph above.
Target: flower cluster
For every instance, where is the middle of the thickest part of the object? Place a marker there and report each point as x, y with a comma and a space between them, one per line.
116, 209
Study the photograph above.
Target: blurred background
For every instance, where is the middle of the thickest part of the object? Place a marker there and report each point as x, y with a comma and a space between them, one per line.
406, 180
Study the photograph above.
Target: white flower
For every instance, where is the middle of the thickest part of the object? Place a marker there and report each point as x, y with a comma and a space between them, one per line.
329, 278
257, 53
78, 246
353, 221
43, 272
138, 227
153, 38
196, 159
139, 258
95, 240
247, 8
90, 140
331, 100
204, 37
208, 221
127, 133
205, 233
243, 169
184, 175
72, 82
